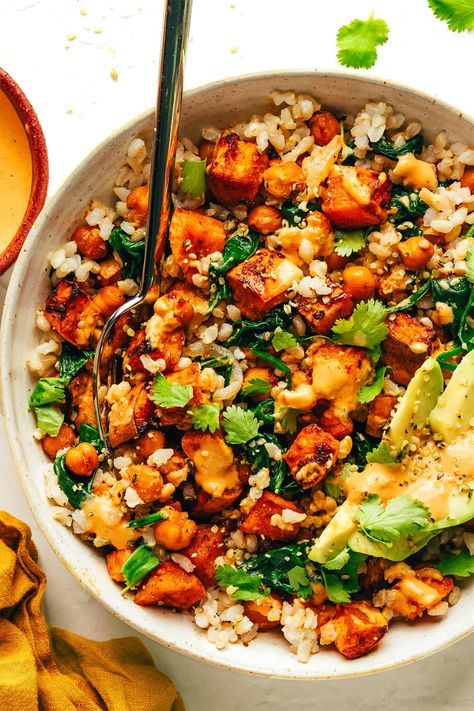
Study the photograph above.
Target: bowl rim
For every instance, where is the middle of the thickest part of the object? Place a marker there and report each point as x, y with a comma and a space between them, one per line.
6, 325
40, 166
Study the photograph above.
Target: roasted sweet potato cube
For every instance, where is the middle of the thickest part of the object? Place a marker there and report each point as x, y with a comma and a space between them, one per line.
194, 297
137, 202
260, 283
130, 416
358, 627
259, 519
265, 612
311, 456
414, 591
115, 562
407, 345
172, 586
81, 390
236, 170
72, 314
206, 546
192, 236
322, 313
109, 273
379, 414
170, 351
356, 197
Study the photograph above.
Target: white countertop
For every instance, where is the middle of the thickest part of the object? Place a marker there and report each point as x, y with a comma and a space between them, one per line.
68, 81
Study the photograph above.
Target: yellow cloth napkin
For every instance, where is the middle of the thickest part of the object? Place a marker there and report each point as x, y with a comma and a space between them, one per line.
62, 671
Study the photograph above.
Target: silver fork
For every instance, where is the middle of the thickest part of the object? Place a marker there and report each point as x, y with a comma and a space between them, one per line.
177, 16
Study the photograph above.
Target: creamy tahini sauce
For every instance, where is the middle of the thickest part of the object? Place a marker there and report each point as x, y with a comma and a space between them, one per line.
432, 475
106, 521
16, 172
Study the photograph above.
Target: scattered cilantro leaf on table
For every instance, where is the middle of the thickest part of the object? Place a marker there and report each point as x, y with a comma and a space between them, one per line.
365, 328
401, 516
460, 564
357, 42
367, 393
167, 394
205, 417
256, 386
193, 177
248, 587
239, 425
459, 14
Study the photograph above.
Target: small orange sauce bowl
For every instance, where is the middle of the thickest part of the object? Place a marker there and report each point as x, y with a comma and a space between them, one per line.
23, 169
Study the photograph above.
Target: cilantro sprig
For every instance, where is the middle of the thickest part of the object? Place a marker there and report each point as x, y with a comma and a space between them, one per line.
205, 417
239, 425
348, 242
248, 587
256, 386
282, 340
459, 564
367, 393
167, 394
459, 14
380, 455
357, 42
384, 523
365, 328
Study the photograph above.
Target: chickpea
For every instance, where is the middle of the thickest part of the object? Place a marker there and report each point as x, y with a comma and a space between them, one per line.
147, 481
65, 438
281, 179
415, 252
324, 126
359, 281
206, 151
89, 242
150, 442
108, 299
176, 531
467, 180
176, 469
265, 219
82, 460
335, 261
115, 563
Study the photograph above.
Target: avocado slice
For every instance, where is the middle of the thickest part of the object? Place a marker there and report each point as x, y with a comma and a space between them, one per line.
399, 550
414, 408
336, 534
454, 411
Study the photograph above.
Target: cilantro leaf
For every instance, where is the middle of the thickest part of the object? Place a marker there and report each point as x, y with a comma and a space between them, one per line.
256, 386
459, 14
193, 177
49, 419
249, 587
349, 242
299, 581
368, 392
240, 425
357, 42
48, 390
205, 417
470, 264
289, 419
343, 581
461, 564
402, 516
380, 455
167, 394
365, 328
335, 587
283, 339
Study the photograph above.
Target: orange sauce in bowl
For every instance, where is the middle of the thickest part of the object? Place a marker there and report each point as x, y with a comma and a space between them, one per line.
16, 171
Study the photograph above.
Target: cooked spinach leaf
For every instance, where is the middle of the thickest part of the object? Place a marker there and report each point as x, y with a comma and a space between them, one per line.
274, 565
281, 481
264, 411
455, 292
257, 334
76, 488
385, 148
411, 300
405, 205
130, 252
72, 360
293, 214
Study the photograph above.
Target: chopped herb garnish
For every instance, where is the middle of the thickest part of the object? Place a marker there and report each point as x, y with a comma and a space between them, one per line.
384, 523
256, 386
205, 417
365, 328
239, 425
248, 587
459, 564
167, 394
283, 339
367, 393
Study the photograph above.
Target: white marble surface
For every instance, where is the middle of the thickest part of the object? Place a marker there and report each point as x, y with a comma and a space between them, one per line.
69, 83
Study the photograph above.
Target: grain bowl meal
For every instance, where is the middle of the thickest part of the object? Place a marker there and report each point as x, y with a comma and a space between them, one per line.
292, 414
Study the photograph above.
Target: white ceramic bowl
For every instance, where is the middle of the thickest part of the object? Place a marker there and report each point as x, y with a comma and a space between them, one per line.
222, 104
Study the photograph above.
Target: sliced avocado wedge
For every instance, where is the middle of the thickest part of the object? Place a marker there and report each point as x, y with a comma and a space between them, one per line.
454, 412
336, 534
414, 408
399, 550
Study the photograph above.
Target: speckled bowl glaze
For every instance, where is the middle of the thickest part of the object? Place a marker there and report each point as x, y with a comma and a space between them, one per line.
221, 104
39, 158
